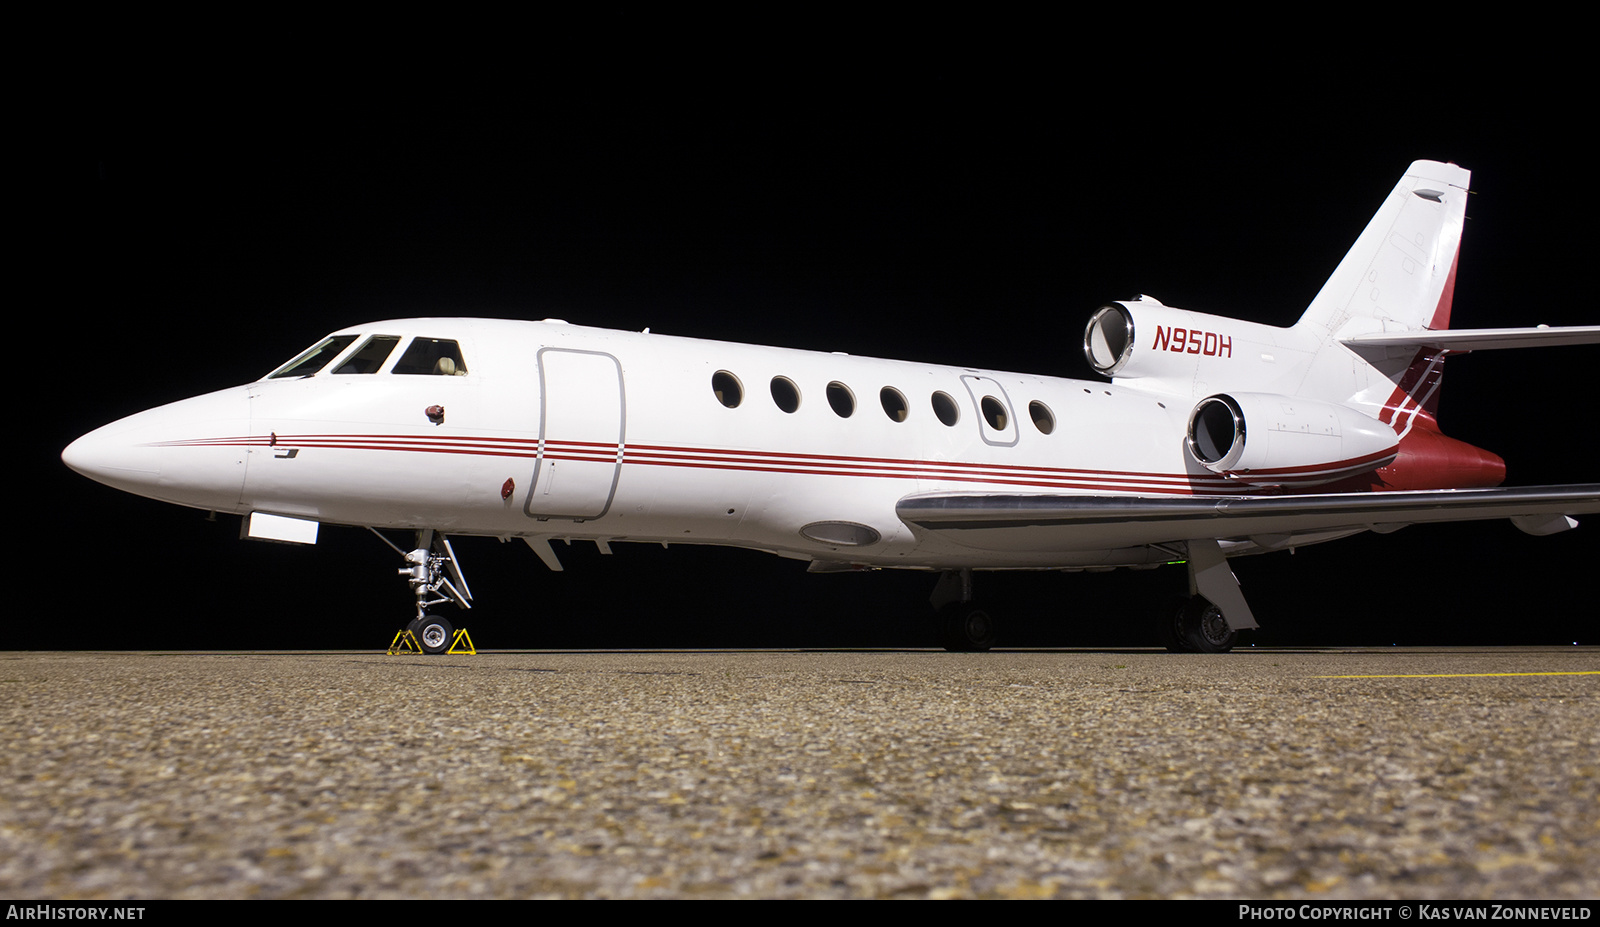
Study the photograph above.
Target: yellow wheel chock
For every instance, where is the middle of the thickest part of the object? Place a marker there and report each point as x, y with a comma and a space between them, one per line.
405, 642
463, 640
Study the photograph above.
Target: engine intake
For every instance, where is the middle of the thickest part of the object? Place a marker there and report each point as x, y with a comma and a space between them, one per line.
1269, 440
1217, 432
1108, 339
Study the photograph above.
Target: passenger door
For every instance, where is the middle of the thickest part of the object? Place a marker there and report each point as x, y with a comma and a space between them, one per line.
581, 427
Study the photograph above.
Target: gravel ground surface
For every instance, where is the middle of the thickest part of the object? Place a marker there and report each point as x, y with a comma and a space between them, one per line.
1121, 774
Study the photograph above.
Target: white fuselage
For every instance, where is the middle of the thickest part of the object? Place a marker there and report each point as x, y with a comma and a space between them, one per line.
565, 431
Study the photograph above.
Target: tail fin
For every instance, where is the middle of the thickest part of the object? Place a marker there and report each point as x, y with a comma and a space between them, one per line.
1401, 273
1396, 282
1399, 277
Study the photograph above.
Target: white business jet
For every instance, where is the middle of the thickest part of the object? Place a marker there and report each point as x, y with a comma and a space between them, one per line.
1214, 438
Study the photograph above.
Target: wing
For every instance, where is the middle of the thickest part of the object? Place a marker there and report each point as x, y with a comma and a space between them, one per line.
1042, 522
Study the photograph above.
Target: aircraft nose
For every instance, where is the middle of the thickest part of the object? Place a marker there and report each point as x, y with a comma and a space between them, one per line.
106, 455
190, 452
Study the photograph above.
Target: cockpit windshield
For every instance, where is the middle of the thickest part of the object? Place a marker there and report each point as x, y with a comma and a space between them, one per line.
370, 356
438, 356
315, 358
435, 356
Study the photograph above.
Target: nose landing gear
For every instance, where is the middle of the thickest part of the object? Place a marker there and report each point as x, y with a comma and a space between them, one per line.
435, 578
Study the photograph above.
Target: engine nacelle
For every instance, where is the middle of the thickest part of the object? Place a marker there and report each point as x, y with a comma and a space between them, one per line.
1143, 338
1269, 440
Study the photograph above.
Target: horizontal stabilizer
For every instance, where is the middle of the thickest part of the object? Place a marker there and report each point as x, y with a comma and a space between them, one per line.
1195, 517
1479, 339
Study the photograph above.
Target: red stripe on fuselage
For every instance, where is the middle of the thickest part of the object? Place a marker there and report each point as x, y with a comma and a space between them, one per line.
748, 461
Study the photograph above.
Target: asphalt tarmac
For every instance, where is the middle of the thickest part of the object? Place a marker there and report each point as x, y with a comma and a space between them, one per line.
1281, 774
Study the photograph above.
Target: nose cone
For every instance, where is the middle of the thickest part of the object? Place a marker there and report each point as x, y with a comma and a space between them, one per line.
191, 452
106, 455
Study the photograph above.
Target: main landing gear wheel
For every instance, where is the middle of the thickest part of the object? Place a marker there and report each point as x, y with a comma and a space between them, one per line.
432, 632
1199, 627
967, 627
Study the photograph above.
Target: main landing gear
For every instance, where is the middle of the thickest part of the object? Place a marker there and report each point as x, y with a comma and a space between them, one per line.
1194, 625
965, 626
431, 569
1210, 619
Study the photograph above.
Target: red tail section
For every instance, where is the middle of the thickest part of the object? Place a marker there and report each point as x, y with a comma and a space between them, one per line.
1428, 459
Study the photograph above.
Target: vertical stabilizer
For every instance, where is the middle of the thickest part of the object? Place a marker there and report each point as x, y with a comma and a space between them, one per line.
1398, 277
1400, 274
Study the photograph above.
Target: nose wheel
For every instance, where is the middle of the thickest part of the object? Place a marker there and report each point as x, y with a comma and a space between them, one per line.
432, 633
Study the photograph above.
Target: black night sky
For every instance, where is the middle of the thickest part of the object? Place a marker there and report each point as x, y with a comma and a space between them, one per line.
201, 228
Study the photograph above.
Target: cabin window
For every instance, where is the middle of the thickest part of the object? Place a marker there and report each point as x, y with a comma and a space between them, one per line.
841, 399
435, 356
1043, 418
785, 394
946, 409
314, 358
894, 403
994, 412
727, 388
370, 356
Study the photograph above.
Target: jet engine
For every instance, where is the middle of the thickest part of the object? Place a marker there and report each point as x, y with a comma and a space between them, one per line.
1143, 338
1269, 440
1173, 338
